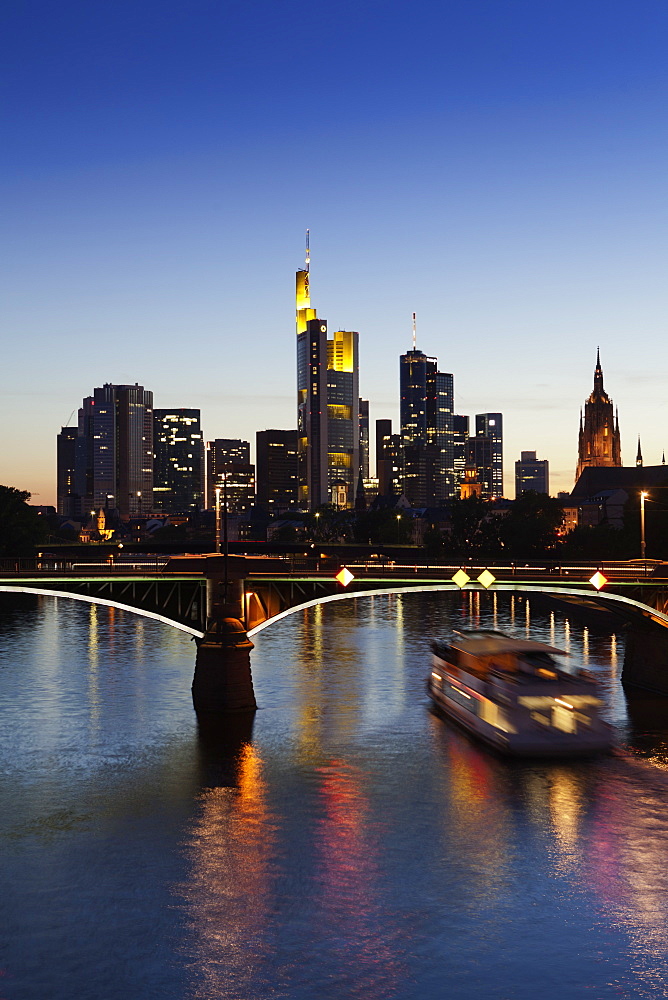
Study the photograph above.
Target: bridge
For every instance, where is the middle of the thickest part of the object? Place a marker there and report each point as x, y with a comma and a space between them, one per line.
223, 601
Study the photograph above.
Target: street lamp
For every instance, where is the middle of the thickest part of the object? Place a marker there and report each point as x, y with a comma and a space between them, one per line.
398, 528
217, 518
643, 496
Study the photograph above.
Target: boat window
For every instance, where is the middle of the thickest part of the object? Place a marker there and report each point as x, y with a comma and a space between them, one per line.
492, 713
461, 698
564, 719
540, 659
540, 717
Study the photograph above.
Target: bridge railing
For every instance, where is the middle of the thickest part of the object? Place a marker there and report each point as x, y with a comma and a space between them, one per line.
55, 566
614, 569
46, 565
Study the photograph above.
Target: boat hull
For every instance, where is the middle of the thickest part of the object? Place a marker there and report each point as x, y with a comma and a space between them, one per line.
538, 742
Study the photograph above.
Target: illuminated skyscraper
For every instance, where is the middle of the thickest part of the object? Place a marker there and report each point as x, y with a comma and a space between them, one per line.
228, 467
599, 441
114, 460
531, 474
427, 401
343, 424
327, 406
460, 439
486, 454
389, 459
178, 466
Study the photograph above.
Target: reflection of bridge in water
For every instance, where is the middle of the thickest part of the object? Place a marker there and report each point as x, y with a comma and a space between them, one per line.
221, 601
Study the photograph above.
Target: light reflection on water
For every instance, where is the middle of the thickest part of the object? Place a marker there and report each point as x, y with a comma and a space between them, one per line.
346, 843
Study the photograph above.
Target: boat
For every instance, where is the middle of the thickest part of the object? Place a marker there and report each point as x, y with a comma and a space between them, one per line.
513, 695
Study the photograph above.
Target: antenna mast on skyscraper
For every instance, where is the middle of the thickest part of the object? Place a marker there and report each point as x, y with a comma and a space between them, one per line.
414, 333
308, 252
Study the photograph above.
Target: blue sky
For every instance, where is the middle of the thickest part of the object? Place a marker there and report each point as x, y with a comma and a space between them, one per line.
497, 167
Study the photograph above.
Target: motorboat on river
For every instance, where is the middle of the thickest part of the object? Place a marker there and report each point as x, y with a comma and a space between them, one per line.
513, 694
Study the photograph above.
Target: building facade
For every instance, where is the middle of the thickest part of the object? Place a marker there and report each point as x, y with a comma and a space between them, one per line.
460, 437
427, 430
229, 469
599, 443
277, 469
531, 474
485, 453
343, 425
178, 463
68, 501
364, 437
328, 445
389, 459
114, 450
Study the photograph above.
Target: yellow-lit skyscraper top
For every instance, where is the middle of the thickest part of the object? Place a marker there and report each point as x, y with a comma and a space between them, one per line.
327, 405
303, 301
341, 353
303, 292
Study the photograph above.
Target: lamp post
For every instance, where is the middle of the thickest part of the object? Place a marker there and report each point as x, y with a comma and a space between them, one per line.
225, 537
217, 518
398, 528
643, 496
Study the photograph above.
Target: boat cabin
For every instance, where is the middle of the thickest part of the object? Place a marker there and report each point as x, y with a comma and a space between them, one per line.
484, 652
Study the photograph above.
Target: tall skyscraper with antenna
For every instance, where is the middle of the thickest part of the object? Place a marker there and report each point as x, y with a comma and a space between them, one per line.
328, 443
427, 432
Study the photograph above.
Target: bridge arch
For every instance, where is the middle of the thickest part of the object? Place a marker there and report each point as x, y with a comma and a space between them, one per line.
88, 599
637, 607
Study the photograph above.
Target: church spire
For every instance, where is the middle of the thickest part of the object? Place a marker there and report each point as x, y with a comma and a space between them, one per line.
639, 455
598, 375
599, 438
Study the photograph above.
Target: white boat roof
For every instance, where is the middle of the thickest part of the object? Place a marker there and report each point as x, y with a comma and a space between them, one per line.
487, 644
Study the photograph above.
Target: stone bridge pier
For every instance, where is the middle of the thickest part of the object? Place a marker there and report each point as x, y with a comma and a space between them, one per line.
223, 682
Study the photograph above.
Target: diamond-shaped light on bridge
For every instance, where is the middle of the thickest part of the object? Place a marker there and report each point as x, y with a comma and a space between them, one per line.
486, 578
598, 580
344, 576
461, 578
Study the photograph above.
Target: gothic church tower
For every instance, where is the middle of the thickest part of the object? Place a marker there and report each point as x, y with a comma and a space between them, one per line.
599, 442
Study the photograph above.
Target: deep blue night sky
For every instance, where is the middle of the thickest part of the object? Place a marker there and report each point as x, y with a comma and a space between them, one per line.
497, 167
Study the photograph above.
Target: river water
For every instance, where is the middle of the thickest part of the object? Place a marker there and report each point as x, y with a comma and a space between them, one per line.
349, 844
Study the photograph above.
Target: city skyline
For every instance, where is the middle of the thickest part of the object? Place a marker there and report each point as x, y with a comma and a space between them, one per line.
498, 172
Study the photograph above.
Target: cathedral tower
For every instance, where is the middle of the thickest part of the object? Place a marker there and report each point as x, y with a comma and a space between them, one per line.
599, 442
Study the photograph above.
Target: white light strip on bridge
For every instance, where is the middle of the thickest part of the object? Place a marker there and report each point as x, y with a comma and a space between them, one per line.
109, 604
658, 616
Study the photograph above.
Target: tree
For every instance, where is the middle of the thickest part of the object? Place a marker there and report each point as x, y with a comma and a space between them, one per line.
21, 527
530, 526
387, 526
473, 530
